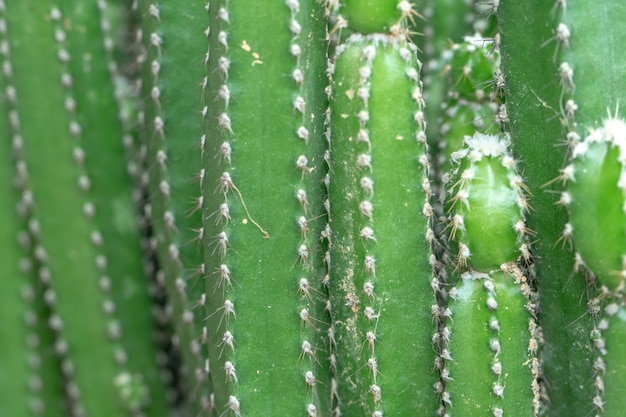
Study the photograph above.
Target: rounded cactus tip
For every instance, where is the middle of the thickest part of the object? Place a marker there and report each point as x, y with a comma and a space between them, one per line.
596, 200
486, 204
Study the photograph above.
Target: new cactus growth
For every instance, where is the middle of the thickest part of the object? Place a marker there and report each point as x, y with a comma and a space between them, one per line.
595, 200
490, 362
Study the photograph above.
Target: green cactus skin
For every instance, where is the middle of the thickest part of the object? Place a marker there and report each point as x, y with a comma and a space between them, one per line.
116, 219
56, 136
580, 35
491, 365
595, 200
56, 236
533, 92
31, 381
611, 365
173, 35
380, 298
264, 213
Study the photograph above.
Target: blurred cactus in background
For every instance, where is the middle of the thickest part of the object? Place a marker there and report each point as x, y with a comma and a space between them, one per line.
312, 208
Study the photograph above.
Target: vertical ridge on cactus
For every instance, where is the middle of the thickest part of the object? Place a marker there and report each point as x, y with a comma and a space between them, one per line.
579, 36
264, 165
63, 220
116, 232
174, 44
595, 201
378, 188
18, 285
533, 94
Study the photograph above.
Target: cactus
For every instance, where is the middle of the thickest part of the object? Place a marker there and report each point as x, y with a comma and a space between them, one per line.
172, 126
562, 50
263, 217
491, 306
224, 208
78, 208
378, 186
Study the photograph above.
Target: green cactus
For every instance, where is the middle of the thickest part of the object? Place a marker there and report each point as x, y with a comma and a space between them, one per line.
79, 207
172, 133
595, 201
555, 91
469, 70
291, 260
379, 208
491, 307
263, 214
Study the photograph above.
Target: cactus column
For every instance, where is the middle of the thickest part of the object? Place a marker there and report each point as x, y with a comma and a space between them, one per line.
263, 213
491, 365
381, 297
555, 92
80, 205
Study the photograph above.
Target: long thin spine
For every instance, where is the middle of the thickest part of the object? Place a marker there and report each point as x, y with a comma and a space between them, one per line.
263, 213
379, 207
